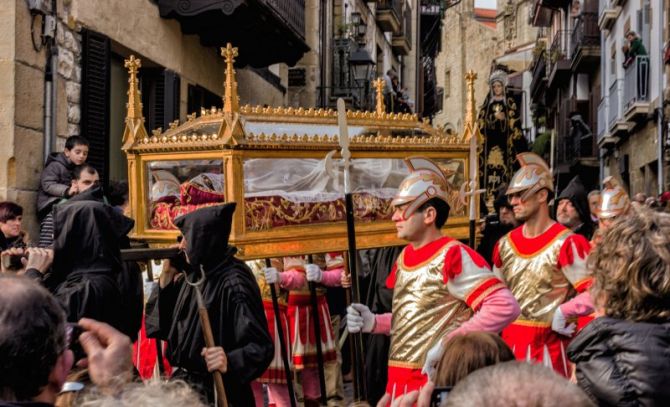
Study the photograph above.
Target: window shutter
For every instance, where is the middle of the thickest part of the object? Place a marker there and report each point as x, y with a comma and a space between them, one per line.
95, 79
171, 93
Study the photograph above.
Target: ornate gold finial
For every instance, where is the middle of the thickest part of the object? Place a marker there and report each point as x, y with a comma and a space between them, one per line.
379, 86
134, 100
134, 120
231, 101
470, 126
231, 131
470, 78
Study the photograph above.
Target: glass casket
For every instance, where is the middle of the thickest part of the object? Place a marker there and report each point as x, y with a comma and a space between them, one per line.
281, 167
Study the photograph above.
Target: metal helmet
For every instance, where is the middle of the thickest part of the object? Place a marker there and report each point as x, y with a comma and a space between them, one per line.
533, 176
614, 200
425, 182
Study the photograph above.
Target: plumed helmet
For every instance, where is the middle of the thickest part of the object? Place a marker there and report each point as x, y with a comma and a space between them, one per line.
425, 182
533, 176
614, 200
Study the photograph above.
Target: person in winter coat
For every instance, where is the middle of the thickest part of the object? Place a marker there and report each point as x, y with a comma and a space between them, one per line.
573, 209
622, 357
55, 181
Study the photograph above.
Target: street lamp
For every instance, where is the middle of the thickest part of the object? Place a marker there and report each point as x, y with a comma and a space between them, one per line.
360, 64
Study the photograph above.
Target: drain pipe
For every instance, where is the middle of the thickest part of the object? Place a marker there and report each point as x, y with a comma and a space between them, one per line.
50, 77
659, 116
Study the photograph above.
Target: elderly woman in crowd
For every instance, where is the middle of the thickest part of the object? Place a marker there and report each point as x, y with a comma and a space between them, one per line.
622, 357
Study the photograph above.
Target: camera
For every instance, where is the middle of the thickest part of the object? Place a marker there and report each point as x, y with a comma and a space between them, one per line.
439, 395
13, 262
72, 333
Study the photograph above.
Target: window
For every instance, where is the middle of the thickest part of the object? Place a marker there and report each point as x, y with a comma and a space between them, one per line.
199, 97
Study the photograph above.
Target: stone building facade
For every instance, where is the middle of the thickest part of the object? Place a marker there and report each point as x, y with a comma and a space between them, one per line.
468, 43
182, 70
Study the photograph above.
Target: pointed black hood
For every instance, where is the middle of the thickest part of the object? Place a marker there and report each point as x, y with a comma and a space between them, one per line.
87, 234
576, 193
207, 231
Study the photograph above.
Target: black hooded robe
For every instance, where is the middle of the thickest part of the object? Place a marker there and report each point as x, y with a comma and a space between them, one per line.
234, 304
87, 264
577, 195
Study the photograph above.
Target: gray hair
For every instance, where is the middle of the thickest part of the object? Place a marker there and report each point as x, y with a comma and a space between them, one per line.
153, 393
516, 384
32, 337
593, 193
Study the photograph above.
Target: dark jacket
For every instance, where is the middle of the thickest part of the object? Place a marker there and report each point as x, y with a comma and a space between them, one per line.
234, 304
55, 182
623, 363
577, 195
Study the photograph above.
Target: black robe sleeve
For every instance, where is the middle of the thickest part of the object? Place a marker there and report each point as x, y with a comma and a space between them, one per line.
254, 351
159, 310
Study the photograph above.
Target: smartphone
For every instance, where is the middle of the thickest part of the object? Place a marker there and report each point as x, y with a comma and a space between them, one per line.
439, 395
72, 333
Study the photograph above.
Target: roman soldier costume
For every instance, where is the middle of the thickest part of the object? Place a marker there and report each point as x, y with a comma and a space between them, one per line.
614, 202
439, 290
543, 273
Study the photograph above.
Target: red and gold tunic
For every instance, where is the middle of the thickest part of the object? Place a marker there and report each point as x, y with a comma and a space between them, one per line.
300, 317
436, 288
275, 373
542, 273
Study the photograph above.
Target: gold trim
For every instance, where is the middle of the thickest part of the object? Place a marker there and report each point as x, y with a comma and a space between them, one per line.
134, 129
532, 324
485, 293
528, 256
380, 109
404, 365
440, 250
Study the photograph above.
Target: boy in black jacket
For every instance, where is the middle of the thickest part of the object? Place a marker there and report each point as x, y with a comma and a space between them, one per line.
55, 181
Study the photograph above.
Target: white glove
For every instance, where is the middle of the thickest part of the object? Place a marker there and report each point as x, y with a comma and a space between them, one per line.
558, 324
313, 273
271, 275
359, 319
432, 358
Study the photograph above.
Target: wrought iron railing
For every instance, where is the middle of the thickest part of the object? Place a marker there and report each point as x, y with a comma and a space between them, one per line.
559, 48
292, 12
602, 119
614, 104
394, 5
636, 81
586, 32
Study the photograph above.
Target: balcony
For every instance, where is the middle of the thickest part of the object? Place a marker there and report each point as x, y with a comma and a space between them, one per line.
558, 67
265, 31
402, 42
605, 140
615, 121
608, 11
636, 104
389, 14
586, 43
539, 80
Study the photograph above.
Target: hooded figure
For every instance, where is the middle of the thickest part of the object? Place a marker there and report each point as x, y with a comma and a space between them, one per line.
577, 195
234, 304
87, 259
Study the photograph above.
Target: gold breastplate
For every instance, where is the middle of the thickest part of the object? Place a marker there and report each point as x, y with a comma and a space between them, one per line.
535, 280
423, 310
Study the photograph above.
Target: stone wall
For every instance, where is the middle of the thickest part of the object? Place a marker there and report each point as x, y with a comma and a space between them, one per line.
642, 154
466, 44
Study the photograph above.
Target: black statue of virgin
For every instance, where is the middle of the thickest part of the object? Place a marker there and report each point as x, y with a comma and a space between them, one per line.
500, 125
